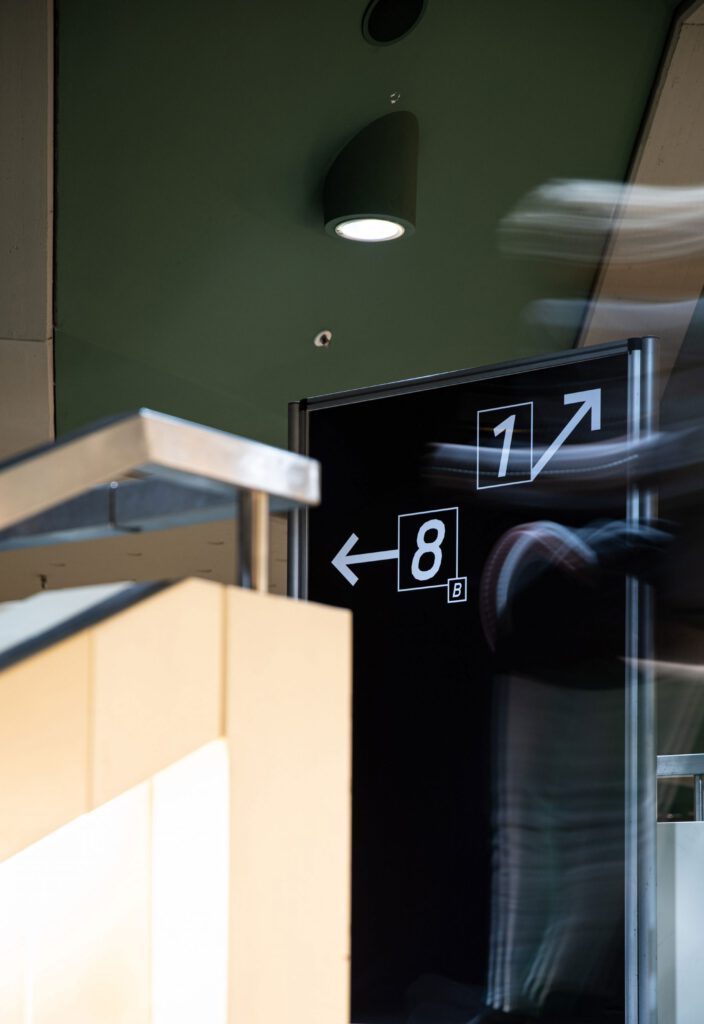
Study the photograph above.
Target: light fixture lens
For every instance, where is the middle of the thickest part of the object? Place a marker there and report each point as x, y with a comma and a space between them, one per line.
369, 229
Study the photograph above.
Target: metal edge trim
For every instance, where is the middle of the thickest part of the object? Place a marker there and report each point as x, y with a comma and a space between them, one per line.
451, 377
101, 611
639, 832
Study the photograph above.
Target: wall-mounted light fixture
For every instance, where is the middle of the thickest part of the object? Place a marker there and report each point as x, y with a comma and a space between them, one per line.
370, 190
390, 21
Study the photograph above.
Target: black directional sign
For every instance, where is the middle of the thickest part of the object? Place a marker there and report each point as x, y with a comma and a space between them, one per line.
477, 525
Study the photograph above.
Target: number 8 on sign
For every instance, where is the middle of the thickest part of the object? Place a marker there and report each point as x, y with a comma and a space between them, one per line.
427, 548
433, 548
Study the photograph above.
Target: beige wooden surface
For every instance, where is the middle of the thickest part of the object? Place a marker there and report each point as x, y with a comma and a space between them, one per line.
13, 989
91, 944
670, 153
189, 884
157, 685
103, 936
44, 730
288, 715
26, 133
26, 215
26, 395
696, 14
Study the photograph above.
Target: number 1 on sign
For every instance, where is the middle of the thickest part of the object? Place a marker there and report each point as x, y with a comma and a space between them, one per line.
505, 428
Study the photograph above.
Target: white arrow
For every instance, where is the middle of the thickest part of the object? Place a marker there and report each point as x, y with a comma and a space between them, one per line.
591, 403
343, 559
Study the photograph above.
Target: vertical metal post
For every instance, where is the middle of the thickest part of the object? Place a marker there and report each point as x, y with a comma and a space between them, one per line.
632, 679
298, 518
641, 763
294, 516
699, 797
254, 540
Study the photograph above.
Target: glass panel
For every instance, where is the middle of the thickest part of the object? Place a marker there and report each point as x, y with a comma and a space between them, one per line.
487, 580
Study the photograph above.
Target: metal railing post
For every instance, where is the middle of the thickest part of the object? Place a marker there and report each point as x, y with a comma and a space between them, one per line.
254, 540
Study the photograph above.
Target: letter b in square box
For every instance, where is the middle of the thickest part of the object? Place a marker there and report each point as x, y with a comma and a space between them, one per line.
427, 548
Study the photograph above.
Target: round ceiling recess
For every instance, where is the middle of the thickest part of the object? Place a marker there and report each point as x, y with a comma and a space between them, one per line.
387, 21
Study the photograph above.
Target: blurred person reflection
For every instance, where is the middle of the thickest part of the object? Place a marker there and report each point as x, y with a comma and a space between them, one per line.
552, 604
571, 220
549, 598
547, 611
549, 595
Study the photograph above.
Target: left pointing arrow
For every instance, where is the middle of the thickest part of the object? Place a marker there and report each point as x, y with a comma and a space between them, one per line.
343, 559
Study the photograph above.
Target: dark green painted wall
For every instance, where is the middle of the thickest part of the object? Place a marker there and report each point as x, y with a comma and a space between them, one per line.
192, 267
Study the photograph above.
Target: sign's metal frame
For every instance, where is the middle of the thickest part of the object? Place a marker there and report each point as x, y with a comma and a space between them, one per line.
640, 760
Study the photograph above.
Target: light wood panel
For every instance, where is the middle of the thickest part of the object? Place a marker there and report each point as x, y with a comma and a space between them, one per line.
694, 15
44, 710
12, 951
89, 887
26, 215
189, 881
670, 154
81, 723
26, 395
288, 715
157, 679
26, 206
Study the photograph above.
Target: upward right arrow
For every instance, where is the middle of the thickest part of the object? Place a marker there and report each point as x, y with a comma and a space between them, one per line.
590, 403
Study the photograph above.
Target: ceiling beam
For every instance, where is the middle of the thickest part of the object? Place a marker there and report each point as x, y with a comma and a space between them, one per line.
26, 215
670, 152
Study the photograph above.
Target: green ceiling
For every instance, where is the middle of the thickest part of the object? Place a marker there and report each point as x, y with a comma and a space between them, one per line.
192, 268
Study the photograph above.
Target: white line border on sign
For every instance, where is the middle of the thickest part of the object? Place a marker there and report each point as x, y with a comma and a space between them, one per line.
500, 408
427, 512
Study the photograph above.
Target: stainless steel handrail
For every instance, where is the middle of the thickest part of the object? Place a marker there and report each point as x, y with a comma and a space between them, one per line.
682, 766
220, 470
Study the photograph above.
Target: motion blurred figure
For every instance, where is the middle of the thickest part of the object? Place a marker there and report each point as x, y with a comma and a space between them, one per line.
551, 605
549, 594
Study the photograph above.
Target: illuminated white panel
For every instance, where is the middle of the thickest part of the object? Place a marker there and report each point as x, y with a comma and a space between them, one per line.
76, 904
190, 889
680, 923
120, 917
13, 979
